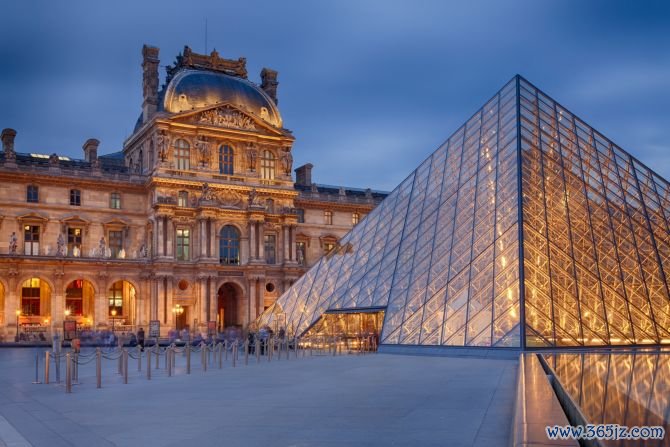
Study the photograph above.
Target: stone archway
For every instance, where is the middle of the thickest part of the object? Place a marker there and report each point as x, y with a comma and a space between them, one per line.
80, 302
119, 308
228, 306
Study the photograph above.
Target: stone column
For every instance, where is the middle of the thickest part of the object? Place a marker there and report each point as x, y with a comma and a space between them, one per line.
58, 300
160, 297
212, 241
213, 294
170, 296
160, 234
12, 301
202, 301
252, 240
261, 242
286, 241
252, 300
170, 237
203, 238
292, 256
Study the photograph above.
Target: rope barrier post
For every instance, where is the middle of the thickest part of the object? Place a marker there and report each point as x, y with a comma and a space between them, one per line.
68, 373
125, 366
219, 347
168, 361
37, 368
47, 361
158, 352
57, 359
225, 348
188, 358
120, 363
246, 353
98, 368
174, 357
257, 350
234, 353
148, 364
139, 358
203, 356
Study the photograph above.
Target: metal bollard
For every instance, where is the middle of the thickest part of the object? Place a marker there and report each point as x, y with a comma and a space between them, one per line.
148, 364
158, 351
68, 373
234, 353
220, 348
188, 358
257, 351
37, 368
226, 349
98, 368
168, 361
57, 359
246, 353
203, 356
47, 361
139, 359
75, 360
125, 366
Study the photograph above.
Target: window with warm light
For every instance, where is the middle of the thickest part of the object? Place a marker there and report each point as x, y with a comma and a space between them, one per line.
74, 297
328, 247
115, 242
30, 297
355, 218
74, 238
31, 240
328, 217
268, 163
182, 155
116, 299
182, 199
183, 243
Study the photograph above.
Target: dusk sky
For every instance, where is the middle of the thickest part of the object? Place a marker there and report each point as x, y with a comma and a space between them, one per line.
369, 88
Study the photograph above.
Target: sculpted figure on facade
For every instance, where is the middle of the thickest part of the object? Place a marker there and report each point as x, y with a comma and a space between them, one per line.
60, 245
287, 162
225, 117
162, 145
202, 146
207, 193
143, 251
254, 200
13, 243
251, 157
102, 247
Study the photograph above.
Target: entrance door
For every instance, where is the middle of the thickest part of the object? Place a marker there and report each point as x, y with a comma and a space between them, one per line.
182, 319
227, 306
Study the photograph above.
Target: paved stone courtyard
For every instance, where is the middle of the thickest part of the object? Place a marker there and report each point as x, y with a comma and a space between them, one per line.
371, 400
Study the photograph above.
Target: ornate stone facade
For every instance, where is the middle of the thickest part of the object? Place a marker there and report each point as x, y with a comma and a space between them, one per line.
199, 209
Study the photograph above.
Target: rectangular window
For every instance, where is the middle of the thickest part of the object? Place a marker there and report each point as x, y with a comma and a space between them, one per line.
301, 253
30, 297
225, 160
182, 199
115, 242
355, 218
74, 297
328, 217
328, 247
270, 248
115, 201
183, 242
31, 240
74, 241
301, 215
75, 197
116, 299
32, 194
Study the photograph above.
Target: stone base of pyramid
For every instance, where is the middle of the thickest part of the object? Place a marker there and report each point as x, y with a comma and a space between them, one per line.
451, 351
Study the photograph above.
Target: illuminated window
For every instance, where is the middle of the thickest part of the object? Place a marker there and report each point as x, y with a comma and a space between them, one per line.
115, 242
75, 197
31, 240
355, 218
115, 200
74, 297
328, 217
268, 165
30, 297
182, 155
226, 159
229, 246
116, 298
328, 247
183, 242
270, 248
73, 240
182, 198
32, 194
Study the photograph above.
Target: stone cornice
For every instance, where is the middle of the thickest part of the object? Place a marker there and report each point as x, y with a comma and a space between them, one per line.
341, 206
85, 182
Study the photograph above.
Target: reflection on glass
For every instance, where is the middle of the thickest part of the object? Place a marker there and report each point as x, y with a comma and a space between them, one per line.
627, 388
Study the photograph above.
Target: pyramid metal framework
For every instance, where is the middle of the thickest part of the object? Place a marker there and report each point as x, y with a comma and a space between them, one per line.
526, 228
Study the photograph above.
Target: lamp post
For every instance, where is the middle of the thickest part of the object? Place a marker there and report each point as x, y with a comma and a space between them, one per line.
177, 310
18, 314
113, 318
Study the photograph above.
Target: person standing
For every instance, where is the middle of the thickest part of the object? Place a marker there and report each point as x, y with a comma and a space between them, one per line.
140, 338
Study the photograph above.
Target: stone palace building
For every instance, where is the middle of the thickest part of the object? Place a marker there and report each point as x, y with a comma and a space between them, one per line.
196, 223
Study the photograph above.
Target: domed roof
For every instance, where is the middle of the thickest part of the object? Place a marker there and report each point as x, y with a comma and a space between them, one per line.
196, 89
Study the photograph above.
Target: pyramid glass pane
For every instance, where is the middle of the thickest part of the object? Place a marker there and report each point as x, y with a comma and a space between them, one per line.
526, 228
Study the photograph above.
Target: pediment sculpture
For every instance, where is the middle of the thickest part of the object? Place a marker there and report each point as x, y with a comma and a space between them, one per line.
230, 199
226, 117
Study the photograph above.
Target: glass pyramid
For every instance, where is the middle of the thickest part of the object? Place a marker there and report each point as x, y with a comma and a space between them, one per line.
446, 257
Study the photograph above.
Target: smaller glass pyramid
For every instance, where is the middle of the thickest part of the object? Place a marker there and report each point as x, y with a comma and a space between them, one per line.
526, 228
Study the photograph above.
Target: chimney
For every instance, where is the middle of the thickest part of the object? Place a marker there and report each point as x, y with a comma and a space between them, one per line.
91, 150
149, 82
7, 136
303, 175
269, 83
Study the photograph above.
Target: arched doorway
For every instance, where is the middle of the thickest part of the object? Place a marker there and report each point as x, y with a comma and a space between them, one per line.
227, 303
34, 308
121, 306
80, 302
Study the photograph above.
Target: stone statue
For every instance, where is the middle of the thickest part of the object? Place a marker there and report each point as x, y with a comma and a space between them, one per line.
76, 252
143, 251
287, 162
162, 144
60, 245
102, 247
121, 254
253, 197
12, 243
203, 148
251, 158
207, 193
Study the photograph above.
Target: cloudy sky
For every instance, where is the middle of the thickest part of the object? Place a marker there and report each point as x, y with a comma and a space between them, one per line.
369, 88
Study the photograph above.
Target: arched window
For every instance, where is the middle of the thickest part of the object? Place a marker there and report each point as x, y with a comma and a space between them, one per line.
268, 165
229, 246
226, 159
182, 155
182, 199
